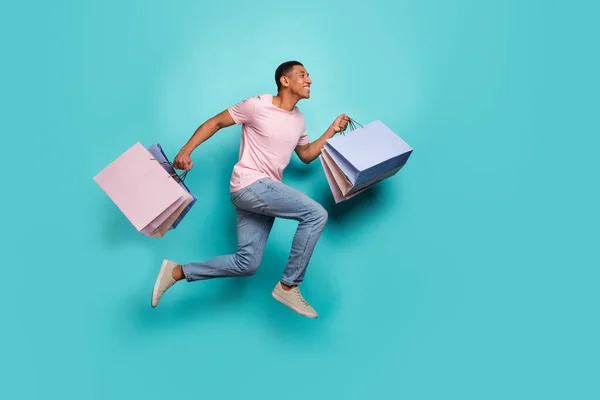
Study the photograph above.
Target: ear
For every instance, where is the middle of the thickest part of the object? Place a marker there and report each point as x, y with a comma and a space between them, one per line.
285, 82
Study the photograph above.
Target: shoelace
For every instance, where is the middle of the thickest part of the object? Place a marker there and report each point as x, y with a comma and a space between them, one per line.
299, 297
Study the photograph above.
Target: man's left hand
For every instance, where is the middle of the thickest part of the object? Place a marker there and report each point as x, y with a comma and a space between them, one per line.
341, 123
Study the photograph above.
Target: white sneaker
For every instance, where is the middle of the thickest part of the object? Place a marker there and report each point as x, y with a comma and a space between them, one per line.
163, 281
294, 300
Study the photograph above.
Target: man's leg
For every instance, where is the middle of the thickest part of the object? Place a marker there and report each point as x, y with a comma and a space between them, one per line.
252, 231
276, 199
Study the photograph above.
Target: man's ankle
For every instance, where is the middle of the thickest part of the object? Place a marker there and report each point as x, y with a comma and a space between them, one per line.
287, 287
177, 273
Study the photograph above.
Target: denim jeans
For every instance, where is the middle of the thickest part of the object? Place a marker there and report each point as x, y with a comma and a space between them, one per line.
257, 206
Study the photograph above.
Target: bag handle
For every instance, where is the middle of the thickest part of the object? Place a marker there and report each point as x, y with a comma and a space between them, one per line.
352, 124
173, 175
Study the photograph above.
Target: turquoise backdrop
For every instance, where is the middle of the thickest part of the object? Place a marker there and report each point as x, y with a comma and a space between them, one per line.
472, 274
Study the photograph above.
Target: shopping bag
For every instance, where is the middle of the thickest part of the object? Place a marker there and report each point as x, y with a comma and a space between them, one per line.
337, 193
343, 184
158, 153
149, 197
368, 153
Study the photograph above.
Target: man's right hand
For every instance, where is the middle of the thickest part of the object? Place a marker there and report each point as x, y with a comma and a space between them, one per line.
183, 161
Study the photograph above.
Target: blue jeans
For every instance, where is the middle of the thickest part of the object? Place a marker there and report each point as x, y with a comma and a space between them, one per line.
257, 206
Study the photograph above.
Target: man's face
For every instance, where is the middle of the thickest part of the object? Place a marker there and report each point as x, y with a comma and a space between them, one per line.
299, 82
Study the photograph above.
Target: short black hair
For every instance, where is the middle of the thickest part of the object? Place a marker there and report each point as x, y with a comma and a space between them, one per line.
284, 69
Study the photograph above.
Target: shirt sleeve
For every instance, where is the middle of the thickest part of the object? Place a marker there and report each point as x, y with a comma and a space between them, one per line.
303, 138
244, 111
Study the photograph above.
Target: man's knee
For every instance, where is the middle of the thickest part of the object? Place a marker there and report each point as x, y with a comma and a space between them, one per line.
319, 214
245, 264
323, 214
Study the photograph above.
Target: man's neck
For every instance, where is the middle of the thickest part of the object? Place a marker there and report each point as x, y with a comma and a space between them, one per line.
285, 102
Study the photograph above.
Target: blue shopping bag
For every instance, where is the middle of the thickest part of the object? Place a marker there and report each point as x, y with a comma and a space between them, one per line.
159, 155
368, 153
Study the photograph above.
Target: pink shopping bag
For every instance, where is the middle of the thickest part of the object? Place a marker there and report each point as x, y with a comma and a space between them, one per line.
144, 191
337, 193
343, 183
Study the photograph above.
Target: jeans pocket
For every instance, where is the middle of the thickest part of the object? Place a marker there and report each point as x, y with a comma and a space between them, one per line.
237, 194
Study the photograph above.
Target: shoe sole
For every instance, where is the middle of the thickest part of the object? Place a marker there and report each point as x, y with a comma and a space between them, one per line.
157, 283
292, 307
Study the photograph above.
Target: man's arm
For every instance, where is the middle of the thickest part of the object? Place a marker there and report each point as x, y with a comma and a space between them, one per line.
202, 134
207, 129
309, 152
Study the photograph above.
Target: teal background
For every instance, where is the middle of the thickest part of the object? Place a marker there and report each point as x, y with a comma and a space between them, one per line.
472, 274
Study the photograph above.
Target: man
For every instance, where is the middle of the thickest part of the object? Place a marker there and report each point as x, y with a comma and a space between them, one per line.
272, 129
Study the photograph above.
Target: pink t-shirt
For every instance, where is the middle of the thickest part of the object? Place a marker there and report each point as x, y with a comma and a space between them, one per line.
269, 137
